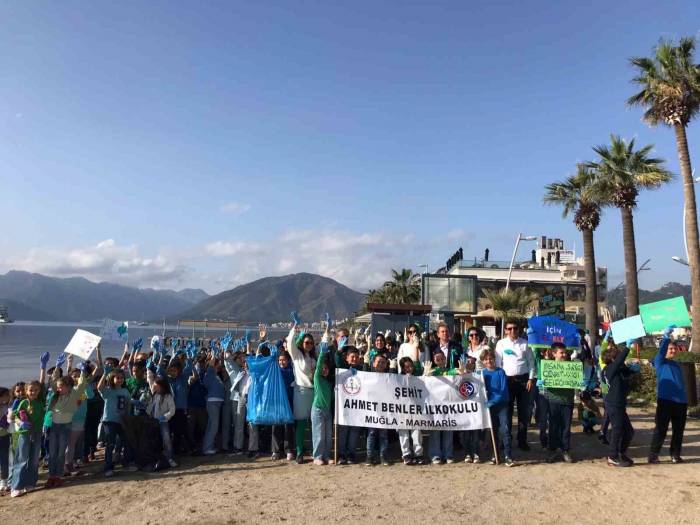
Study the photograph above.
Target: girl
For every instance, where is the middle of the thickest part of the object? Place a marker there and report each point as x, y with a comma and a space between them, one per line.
28, 414
5, 438
63, 405
76, 439
285, 433
412, 455
303, 353
116, 398
672, 400
321, 411
618, 375
377, 437
162, 407
379, 346
215, 399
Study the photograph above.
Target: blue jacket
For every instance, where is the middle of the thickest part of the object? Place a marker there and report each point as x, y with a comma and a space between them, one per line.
669, 378
288, 377
197, 397
496, 386
178, 385
215, 386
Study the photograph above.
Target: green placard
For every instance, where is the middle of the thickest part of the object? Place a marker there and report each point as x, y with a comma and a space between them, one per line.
562, 374
657, 316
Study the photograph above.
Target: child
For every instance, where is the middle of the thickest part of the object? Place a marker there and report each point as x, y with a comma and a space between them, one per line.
497, 392
377, 434
410, 440
77, 431
215, 399
322, 408
347, 435
28, 414
236, 367
560, 403
5, 438
177, 376
282, 434
162, 407
618, 375
116, 397
440, 442
671, 400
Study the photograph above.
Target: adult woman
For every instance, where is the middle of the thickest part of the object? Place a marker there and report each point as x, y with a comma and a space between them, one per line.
302, 350
412, 348
475, 345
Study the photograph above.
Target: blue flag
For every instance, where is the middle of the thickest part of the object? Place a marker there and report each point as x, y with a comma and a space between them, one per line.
547, 329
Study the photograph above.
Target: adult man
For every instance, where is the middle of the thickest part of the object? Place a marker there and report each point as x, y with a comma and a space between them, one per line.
518, 362
450, 349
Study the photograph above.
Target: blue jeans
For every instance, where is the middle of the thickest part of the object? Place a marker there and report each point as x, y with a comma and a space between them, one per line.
374, 435
440, 445
560, 416
499, 420
347, 442
213, 413
471, 441
25, 467
114, 432
321, 432
167, 442
58, 441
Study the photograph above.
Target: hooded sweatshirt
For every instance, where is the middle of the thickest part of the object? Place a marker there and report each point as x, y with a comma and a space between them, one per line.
669, 378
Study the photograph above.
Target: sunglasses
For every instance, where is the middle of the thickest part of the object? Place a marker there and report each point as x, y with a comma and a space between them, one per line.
411, 331
509, 328
307, 342
472, 335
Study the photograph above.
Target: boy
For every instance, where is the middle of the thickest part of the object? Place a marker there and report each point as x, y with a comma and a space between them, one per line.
561, 409
496, 384
379, 366
440, 442
347, 436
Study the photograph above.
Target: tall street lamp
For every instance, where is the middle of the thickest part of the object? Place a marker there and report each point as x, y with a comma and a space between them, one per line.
520, 237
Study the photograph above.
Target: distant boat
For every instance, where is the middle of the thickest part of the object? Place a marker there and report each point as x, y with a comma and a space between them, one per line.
141, 323
4, 316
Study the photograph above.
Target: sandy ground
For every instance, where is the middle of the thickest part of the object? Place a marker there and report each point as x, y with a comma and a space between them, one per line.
226, 489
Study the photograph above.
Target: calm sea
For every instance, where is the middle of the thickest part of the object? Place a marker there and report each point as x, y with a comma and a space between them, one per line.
22, 342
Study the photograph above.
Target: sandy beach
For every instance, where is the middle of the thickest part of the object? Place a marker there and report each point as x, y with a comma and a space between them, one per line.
228, 489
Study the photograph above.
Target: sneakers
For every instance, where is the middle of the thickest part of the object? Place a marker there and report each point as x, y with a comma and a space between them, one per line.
385, 462
109, 473
407, 460
276, 456
567, 457
342, 461
627, 459
476, 459
449, 461
493, 461
653, 459
553, 456
509, 462
468, 458
615, 462
418, 460
318, 462
172, 463
676, 459
300, 459
17, 493
211, 452
436, 461
4, 485
291, 456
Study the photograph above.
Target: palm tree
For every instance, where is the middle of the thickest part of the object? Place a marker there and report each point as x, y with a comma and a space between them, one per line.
512, 303
621, 172
670, 93
403, 288
576, 196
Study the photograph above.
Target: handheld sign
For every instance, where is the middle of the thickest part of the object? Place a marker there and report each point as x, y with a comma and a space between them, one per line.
562, 374
626, 329
82, 344
657, 316
115, 330
547, 329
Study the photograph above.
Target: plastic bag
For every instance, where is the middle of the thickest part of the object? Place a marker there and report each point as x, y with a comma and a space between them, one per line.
267, 395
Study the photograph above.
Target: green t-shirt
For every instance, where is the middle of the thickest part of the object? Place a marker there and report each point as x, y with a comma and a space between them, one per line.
35, 410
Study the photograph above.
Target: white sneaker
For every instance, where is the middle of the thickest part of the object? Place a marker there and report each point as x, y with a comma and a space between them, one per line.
172, 463
17, 493
476, 458
109, 473
290, 456
3, 485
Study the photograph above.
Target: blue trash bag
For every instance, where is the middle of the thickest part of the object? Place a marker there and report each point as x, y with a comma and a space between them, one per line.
267, 395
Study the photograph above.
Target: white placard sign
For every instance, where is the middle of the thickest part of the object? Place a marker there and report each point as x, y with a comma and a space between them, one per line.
82, 344
115, 330
368, 399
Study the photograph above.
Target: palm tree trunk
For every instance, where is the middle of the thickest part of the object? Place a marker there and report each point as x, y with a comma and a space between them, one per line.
631, 285
591, 307
691, 230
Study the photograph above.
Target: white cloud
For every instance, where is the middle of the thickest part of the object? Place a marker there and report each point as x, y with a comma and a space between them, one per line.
105, 261
235, 208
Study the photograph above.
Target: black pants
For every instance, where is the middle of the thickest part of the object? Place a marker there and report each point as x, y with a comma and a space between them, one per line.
675, 413
196, 425
517, 388
280, 435
560, 416
180, 432
622, 431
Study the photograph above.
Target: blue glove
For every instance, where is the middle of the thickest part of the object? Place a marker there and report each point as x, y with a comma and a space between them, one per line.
108, 369
539, 382
343, 341
61, 360
635, 367
83, 367
295, 318
44, 359
669, 330
629, 343
329, 321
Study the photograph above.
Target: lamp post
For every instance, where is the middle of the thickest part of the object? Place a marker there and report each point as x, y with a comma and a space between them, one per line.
520, 237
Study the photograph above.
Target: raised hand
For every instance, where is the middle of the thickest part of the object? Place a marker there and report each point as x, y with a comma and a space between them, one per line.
343, 342
428, 368
365, 358
392, 364
262, 332
629, 343
461, 367
329, 321
295, 318
60, 360
83, 367
669, 330
539, 383
44, 359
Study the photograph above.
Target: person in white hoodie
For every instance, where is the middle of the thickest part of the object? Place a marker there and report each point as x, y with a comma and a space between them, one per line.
412, 348
302, 350
162, 407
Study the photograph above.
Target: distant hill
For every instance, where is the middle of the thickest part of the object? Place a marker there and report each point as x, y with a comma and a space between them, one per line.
617, 297
271, 299
31, 296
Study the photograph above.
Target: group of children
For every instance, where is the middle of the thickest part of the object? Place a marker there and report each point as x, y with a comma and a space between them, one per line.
146, 408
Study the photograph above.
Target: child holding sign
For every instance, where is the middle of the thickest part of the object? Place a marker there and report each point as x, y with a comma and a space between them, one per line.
560, 402
672, 401
496, 383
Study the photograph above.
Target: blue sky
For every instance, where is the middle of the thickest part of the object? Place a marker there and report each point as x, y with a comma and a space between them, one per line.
176, 144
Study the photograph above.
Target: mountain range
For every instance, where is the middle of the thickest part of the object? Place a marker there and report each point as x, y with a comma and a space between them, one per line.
37, 297
616, 297
270, 299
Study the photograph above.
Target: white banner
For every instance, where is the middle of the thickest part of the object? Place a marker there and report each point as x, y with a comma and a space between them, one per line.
368, 399
82, 344
115, 330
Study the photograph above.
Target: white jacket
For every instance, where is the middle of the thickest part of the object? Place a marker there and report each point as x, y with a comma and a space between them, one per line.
161, 405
